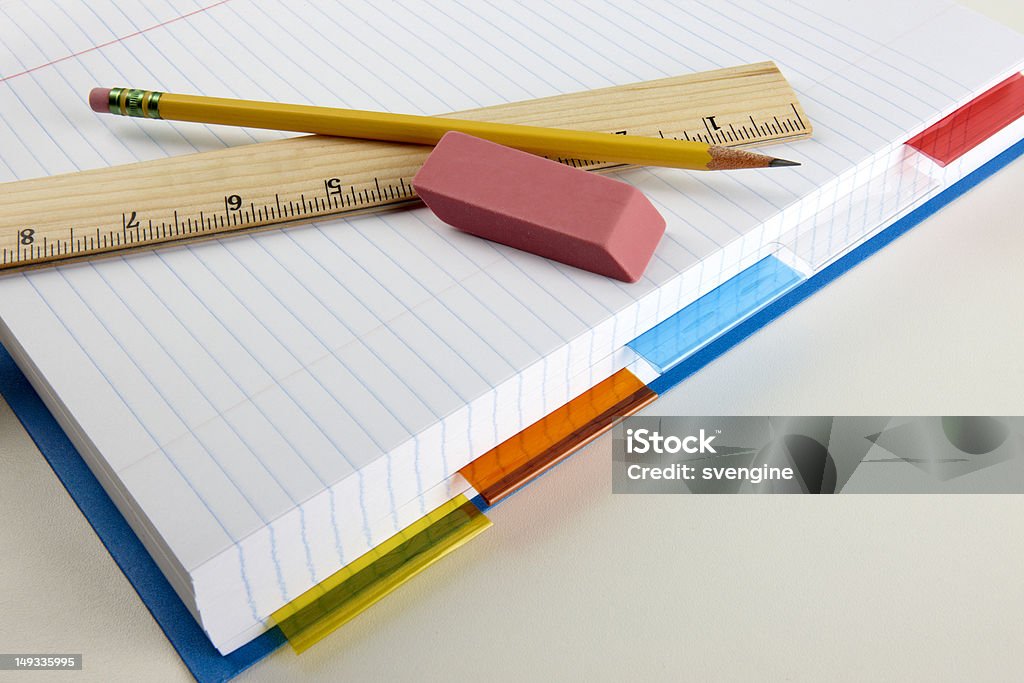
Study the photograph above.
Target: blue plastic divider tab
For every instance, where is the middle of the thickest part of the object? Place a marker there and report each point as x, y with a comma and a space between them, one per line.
668, 343
823, 277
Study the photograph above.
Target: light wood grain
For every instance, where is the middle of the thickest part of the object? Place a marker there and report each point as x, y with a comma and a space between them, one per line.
110, 210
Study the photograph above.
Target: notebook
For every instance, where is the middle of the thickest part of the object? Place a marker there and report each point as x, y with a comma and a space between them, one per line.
264, 409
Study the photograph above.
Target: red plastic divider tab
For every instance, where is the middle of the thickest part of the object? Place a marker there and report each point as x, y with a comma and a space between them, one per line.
973, 123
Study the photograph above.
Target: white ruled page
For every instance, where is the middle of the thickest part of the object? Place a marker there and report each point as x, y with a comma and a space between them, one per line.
226, 389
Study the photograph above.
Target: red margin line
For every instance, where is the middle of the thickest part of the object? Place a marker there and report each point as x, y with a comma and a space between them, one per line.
115, 40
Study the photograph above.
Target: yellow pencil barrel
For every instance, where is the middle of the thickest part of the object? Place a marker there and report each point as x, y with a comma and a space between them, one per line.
428, 130
556, 143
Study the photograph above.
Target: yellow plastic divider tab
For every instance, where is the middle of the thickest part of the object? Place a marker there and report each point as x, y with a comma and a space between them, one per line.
339, 598
514, 462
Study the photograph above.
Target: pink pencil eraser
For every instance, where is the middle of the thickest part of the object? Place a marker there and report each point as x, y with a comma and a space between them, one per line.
99, 100
540, 206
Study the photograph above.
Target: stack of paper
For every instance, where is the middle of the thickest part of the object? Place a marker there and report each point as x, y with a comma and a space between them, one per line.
264, 409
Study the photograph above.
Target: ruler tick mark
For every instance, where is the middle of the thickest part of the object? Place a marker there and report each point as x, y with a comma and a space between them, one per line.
797, 113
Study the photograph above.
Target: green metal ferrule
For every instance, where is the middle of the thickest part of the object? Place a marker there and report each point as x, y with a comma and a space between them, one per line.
133, 102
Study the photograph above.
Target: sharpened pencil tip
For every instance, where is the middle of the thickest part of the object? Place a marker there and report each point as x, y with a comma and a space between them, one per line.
783, 162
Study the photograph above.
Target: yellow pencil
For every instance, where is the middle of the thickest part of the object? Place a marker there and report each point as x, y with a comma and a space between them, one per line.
426, 130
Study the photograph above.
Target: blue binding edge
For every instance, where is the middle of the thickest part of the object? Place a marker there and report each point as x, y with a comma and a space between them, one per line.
194, 648
773, 310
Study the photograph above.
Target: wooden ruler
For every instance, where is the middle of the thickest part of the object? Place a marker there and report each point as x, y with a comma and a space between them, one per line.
110, 210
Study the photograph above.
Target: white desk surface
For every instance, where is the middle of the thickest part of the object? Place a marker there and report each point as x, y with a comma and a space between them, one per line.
575, 583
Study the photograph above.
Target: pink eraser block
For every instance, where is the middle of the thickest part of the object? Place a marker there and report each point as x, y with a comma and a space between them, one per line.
98, 100
540, 206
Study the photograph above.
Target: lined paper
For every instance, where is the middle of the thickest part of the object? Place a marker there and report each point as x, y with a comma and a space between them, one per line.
267, 401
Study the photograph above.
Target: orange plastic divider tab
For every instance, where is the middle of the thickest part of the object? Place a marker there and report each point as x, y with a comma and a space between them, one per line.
512, 463
972, 124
